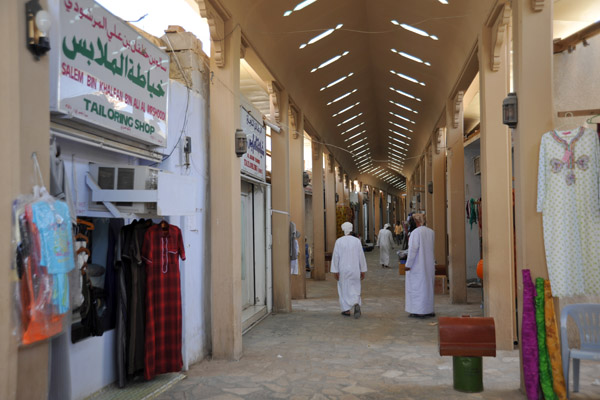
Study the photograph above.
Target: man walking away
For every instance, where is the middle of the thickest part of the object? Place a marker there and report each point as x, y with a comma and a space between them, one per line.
420, 270
385, 243
348, 265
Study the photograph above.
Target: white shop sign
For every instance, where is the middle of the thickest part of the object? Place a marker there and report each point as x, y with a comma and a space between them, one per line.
106, 74
254, 161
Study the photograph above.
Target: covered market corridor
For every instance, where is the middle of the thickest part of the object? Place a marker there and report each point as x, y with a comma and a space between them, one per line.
315, 353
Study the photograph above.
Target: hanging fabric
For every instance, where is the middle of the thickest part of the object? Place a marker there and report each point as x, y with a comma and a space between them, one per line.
162, 248
568, 197
544, 359
529, 339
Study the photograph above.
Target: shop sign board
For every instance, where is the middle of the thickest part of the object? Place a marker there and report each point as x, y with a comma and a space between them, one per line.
105, 74
253, 163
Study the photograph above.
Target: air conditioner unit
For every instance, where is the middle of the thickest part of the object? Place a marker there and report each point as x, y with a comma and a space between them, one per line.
125, 177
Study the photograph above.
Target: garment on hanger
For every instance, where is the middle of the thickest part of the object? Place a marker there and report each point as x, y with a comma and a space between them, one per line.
162, 248
131, 298
568, 190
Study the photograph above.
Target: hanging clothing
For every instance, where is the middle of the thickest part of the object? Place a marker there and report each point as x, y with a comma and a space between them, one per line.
294, 260
349, 261
53, 221
161, 250
568, 197
553, 344
545, 367
530, 340
421, 276
385, 241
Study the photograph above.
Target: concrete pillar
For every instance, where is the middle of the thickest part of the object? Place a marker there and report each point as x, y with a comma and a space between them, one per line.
438, 222
377, 204
532, 66
339, 186
280, 183
225, 209
428, 178
496, 180
10, 160
318, 217
296, 160
330, 203
457, 268
360, 229
26, 127
371, 210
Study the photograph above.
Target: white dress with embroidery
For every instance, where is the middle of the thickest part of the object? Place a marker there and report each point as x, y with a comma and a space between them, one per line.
568, 190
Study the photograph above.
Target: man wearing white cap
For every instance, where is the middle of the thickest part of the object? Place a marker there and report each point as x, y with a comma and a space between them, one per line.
348, 265
420, 271
385, 241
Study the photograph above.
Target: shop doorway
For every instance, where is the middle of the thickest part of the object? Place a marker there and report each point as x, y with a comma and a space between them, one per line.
247, 232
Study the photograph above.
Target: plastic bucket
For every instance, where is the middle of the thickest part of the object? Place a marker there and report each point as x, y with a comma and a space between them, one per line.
468, 374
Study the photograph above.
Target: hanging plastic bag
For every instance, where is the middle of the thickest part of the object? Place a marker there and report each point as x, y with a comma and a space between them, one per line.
43, 257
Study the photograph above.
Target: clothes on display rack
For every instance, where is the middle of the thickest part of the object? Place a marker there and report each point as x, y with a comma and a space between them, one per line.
131, 299
568, 197
161, 250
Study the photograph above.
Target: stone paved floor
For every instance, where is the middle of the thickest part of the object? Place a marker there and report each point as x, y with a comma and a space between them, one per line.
315, 353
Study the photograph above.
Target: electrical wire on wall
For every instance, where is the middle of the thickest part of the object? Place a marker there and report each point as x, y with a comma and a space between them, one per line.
187, 103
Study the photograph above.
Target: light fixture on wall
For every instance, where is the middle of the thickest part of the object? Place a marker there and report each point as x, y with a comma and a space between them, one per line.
241, 143
38, 25
510, 115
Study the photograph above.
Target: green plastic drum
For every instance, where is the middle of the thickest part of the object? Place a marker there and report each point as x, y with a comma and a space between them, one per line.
468, 374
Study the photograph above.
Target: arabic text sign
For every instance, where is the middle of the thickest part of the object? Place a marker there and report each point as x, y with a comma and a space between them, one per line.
254, 161
107, 74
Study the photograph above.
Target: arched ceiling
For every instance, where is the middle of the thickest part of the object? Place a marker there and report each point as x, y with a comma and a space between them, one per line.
397, 111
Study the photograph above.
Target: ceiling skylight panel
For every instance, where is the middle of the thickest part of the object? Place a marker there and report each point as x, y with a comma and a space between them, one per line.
321, 36
330, 61
402, 118
360, 147
411, 57
353, 136
404, 107
346, 109
349, 119
401, 134
408, 78
350, 129
399, 149
399, 141
299, 7
414, 30
400, 126
357, 142
410, 96
336, 81
357, 158
394, 152
341, 97
400, 158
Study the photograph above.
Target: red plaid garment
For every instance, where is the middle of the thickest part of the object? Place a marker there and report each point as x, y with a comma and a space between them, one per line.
161, 252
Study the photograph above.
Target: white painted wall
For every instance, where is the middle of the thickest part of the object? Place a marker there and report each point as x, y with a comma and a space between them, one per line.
81, 369
472, 190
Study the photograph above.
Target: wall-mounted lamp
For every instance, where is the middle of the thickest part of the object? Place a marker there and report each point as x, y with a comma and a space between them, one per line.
510, 115
241, 143
38, 25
